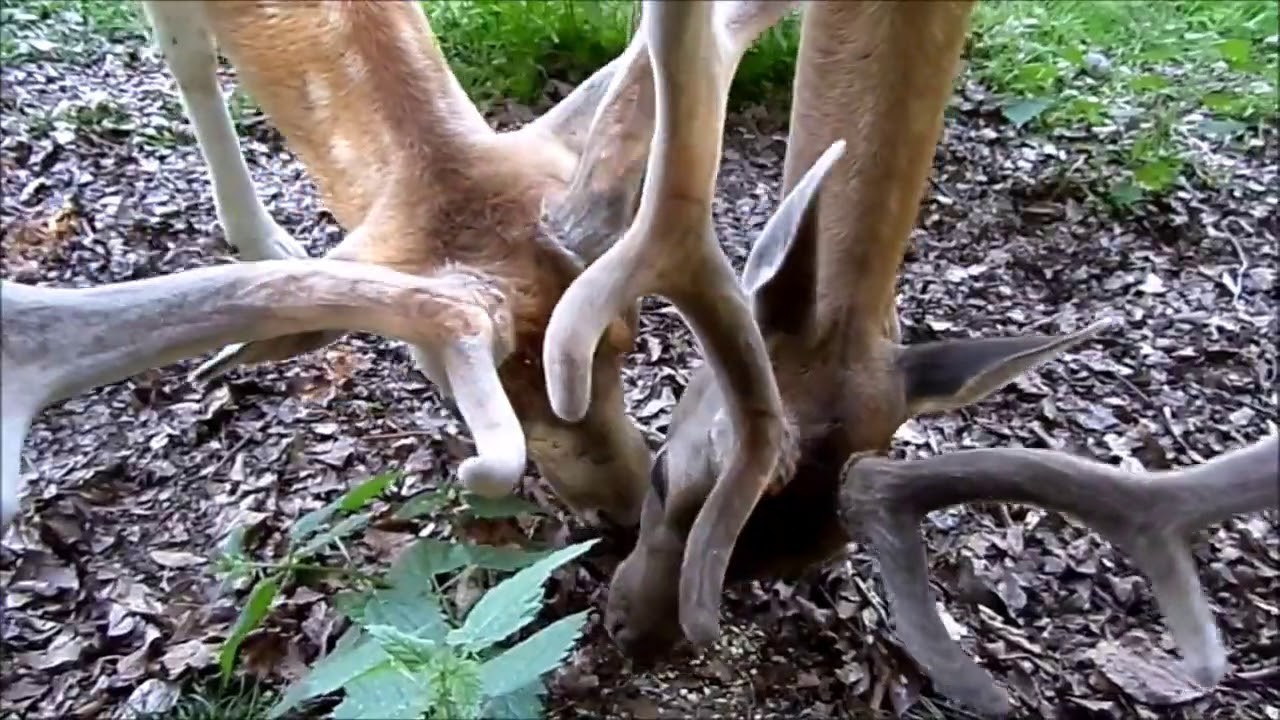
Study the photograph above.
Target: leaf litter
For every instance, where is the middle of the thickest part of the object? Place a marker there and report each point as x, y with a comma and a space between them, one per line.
109, 600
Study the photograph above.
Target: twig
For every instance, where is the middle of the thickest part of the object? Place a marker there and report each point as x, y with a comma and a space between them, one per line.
1166, 417
228, 455
1244, 261
1259, 675
399, 434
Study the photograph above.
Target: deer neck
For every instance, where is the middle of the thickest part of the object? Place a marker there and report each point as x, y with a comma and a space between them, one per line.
863, 75
361, 92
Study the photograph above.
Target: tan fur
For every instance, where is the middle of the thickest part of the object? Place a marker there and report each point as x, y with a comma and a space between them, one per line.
364, 97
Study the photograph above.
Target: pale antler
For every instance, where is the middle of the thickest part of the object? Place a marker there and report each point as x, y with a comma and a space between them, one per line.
58, 342
671, 250
601, 200
1148, 515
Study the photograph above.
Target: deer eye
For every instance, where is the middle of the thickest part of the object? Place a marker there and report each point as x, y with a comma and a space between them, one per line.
658, 476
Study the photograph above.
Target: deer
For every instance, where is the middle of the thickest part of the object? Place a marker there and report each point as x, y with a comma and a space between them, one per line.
773, 461
423, 186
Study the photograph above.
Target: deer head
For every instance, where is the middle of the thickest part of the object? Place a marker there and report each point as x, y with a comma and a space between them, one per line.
423, 185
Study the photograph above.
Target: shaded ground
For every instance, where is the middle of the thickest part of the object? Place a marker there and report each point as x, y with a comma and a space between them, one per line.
132, 486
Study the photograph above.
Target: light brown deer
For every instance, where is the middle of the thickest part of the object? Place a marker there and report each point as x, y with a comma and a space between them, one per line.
422, 184
364, 97
816, 305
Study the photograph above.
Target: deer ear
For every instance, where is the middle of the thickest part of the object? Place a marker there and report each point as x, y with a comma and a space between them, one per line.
949, 374
778, 238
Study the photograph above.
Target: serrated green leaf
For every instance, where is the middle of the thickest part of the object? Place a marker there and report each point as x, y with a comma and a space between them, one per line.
526, 662
1149, 83
428, 558
346, 527
410, 609
505, 559
1159, 54
426, 503
1158, 175
1125, 193
309, 523
522, 704
383, 693
1024, 111
412, 652
360, 495
1235, 51
354, 654
425, 559
1218, 101
232, 547
351, 603
454, 686
509, 506
1222, 128
250, 617
512, 603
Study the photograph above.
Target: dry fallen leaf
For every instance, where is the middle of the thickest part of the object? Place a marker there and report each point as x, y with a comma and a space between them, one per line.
63, 651
1152, 285
190, 655
17, 695
176, 558
152, 698
1146, 673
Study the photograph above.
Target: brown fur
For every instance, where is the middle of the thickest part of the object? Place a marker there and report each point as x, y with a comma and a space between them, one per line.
877, 74
364, 97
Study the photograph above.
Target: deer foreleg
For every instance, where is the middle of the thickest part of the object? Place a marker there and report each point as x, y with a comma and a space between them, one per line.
188, 49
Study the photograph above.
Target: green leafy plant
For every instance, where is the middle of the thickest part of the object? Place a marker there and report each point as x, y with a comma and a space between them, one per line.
403, 657
409, 652
308, 537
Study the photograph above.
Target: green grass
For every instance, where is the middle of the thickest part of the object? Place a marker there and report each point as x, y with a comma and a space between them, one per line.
1089, 56
210, 699
1222, 52
509, 48
1162, 73
1166, 73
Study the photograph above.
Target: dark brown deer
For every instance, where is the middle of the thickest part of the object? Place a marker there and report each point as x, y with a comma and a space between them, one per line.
805, 367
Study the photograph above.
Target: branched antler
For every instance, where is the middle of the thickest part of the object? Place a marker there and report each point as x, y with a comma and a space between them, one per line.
671, 250
1147, 515
58, 342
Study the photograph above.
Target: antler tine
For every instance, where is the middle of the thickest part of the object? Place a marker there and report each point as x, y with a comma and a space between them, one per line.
58, 342
671, 250
1147, 515
618, 102
600, 200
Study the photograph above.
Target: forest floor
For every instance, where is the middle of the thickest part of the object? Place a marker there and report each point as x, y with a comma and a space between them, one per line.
133, 486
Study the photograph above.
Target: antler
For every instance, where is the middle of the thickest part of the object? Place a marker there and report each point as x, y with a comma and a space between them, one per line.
671, 250
1148, 515
601, 200
59, 341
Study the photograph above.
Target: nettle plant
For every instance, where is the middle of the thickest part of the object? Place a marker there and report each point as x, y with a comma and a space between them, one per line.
409, 653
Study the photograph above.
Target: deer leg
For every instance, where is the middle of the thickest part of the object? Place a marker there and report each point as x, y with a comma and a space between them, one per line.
182, 38
1149, 516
